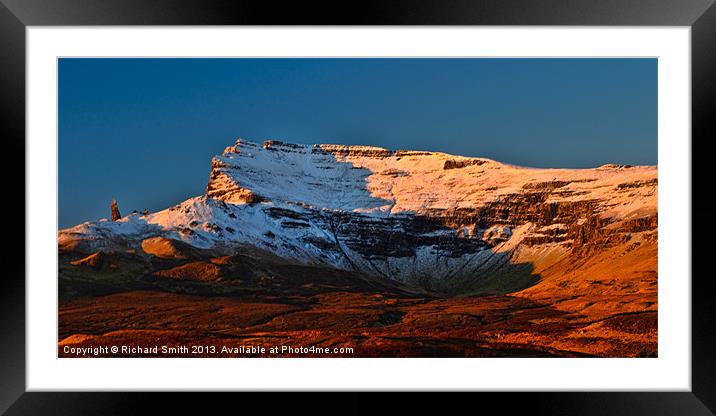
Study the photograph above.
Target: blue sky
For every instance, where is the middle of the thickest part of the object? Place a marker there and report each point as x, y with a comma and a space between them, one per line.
143, 131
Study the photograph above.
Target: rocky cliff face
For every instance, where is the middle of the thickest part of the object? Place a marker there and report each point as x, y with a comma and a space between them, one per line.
440, 221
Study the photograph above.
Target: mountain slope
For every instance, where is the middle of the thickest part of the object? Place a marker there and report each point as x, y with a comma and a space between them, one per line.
447, 223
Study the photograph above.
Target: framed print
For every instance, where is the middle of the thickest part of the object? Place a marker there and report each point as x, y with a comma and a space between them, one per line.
411, 197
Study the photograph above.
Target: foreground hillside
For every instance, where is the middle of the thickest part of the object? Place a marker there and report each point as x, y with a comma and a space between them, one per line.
391, 253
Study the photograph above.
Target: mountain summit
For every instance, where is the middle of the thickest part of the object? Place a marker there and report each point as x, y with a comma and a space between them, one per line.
447, 223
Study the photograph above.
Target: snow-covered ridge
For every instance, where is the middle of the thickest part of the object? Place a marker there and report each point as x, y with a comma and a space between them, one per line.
378, 181
408, 215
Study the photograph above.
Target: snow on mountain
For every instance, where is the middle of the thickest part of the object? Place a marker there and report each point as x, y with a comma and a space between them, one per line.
406, 215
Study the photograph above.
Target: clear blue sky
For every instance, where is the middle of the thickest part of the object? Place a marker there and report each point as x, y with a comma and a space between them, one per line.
143, 131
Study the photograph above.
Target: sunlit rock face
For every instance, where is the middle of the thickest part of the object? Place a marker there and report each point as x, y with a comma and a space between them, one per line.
429, 218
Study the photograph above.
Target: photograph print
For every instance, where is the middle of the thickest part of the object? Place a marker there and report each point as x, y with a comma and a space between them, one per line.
357, 207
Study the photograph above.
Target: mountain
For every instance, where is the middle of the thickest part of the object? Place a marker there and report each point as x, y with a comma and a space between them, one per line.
447, 223
381, 253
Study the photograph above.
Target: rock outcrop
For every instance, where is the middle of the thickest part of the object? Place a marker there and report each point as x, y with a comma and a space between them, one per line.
116, 216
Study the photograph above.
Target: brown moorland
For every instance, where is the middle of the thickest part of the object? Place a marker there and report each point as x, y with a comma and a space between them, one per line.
603, 305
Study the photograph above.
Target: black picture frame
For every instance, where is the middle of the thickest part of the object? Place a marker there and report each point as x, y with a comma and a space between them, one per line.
16, 15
